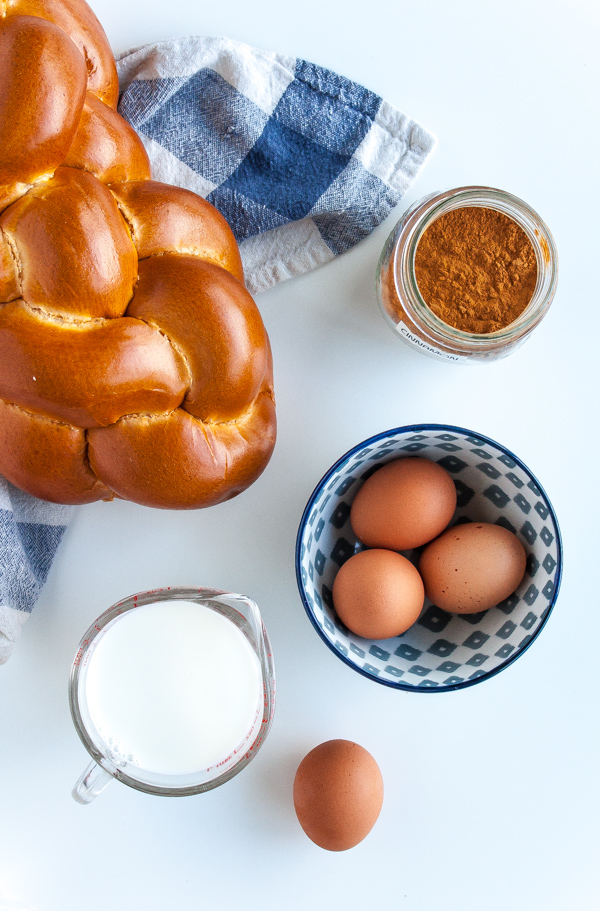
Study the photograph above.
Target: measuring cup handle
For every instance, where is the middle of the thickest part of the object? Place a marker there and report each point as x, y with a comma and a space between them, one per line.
91, 783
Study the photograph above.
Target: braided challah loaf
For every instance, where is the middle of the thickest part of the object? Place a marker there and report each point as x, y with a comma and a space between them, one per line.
133, 362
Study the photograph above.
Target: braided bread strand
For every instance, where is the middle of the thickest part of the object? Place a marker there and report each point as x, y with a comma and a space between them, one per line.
133, 361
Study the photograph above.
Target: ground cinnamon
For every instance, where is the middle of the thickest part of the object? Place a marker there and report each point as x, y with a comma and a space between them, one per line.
476, 269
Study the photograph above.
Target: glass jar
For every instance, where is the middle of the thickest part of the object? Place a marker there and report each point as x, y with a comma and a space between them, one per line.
407, 313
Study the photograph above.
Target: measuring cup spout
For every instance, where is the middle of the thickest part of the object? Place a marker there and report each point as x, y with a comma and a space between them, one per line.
246, 608
91, 783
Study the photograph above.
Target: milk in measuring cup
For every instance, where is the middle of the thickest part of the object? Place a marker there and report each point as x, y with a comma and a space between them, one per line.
173, 687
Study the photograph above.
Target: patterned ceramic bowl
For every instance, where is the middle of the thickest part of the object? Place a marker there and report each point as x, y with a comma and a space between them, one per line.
441, 651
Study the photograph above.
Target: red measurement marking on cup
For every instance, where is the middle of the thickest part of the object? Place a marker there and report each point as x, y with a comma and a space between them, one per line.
82, 648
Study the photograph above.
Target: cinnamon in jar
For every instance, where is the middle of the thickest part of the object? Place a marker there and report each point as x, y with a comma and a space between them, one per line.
467, 274
476, 269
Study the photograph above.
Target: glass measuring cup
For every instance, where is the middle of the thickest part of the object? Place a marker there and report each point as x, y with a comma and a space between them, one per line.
111, 761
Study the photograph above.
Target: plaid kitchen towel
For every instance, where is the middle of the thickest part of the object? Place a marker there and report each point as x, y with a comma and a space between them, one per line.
30, 531
302, 162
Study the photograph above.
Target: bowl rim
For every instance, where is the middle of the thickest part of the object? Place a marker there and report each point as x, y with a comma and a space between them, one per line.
416, 428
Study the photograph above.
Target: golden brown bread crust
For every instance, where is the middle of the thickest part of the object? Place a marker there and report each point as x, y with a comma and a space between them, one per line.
121, 366
133, 361
74, 250
107, 145
43, 81
166, 219
76, 19
213, 322
47, 458
9, 276
193, 464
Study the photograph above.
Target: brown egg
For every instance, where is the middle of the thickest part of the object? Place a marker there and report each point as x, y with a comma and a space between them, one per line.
378, 594
472, 567
338, 793
404, 504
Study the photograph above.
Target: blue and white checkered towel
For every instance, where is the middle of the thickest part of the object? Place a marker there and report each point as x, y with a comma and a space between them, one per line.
302, 162
30, 531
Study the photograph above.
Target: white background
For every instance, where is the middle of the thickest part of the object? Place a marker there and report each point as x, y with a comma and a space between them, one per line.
492, 797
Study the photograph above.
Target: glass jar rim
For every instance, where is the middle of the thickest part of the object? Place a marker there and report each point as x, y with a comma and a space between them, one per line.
428, 210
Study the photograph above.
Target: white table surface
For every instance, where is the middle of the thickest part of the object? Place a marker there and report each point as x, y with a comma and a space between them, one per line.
491, 793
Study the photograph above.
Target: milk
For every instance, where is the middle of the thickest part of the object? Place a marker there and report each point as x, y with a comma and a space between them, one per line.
173, 687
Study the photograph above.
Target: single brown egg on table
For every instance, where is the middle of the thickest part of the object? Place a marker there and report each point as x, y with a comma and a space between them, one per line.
338, 794
404, 504
472, 567
378, 594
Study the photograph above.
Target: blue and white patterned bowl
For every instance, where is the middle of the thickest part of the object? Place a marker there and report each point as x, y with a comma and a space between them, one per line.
441, 651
